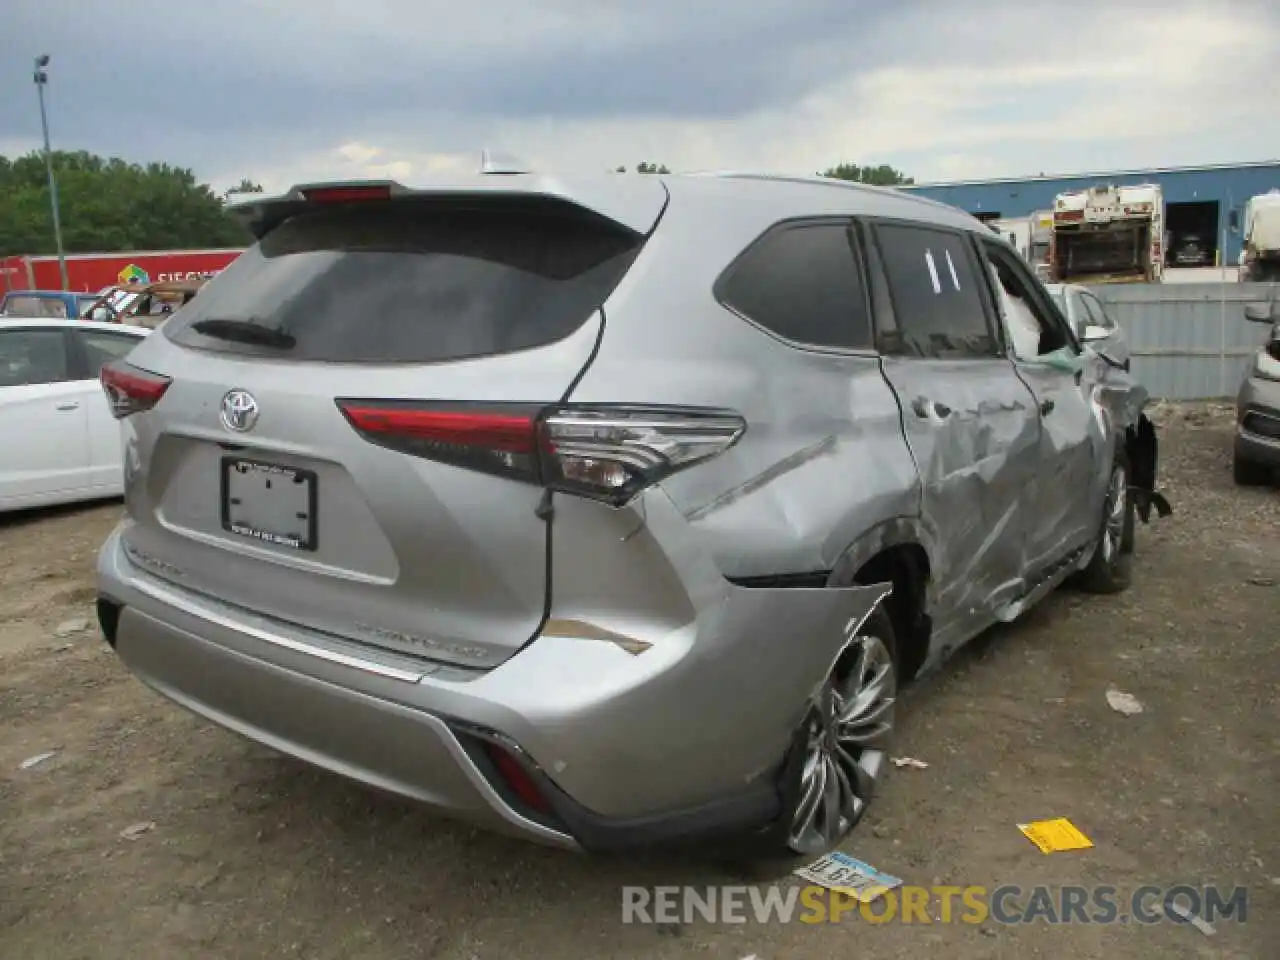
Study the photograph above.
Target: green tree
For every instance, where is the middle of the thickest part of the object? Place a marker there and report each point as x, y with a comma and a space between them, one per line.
652, 168
244, 186
881, 176
108, 204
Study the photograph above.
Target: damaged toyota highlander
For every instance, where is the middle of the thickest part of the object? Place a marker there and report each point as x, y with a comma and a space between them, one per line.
608, 511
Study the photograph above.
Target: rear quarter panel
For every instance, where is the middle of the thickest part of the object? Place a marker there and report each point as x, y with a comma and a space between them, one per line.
822, 460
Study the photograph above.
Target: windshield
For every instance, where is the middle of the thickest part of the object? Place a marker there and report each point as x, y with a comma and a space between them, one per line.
410, 283
34, 307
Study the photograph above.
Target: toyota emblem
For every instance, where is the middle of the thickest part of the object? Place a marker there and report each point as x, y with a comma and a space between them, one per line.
239, 411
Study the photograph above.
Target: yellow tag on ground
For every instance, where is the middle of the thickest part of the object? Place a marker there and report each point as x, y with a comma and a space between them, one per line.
1055, 836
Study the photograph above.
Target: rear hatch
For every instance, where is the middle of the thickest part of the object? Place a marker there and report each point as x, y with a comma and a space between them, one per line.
262, 477
1121, 250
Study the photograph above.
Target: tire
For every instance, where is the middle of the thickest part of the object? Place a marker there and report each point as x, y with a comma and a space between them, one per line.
1249, 473
1108, 569
812, 824
1129, 533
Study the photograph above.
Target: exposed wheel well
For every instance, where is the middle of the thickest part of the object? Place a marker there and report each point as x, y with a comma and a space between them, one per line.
906, 566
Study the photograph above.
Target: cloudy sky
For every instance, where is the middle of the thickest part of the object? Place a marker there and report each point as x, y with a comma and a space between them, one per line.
293, 90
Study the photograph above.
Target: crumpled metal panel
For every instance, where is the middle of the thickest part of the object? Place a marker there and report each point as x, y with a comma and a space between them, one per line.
845, 455
768, 649
973, 430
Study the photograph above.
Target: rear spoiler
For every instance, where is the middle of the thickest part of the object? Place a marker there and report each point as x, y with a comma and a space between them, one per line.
636, 203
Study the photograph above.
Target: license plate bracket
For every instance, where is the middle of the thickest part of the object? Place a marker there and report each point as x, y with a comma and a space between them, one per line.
270, 503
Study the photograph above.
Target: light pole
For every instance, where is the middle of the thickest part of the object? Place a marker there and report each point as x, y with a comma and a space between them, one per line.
41, 78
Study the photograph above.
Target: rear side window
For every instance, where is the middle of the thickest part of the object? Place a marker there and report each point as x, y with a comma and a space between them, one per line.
803, 283
934, 287
409, 282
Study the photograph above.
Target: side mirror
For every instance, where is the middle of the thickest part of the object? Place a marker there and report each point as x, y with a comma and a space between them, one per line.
1093, 333
1262, 312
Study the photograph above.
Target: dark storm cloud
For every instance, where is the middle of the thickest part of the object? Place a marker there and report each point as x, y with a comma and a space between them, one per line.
141, 73
222, 83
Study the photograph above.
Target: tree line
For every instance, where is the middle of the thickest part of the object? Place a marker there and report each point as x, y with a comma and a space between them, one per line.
880, 176
109, 204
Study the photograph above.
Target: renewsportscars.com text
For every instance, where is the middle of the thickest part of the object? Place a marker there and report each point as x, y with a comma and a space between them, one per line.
1009, 904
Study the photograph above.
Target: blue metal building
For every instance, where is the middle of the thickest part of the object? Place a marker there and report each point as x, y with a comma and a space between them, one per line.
1206, 201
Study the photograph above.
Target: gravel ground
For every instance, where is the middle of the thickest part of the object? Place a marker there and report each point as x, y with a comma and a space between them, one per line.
246, 854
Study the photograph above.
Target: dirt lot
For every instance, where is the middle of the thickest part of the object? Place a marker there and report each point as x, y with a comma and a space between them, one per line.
253, 855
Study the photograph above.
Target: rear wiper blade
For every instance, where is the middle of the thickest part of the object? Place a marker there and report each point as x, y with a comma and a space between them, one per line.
245, 331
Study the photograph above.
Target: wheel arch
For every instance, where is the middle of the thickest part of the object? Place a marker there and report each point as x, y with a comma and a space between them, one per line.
897, 551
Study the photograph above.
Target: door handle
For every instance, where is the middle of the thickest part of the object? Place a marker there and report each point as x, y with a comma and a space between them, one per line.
69, 405
1046, 408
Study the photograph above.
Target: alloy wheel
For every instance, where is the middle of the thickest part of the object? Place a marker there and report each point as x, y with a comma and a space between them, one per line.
846, 734
1117, 504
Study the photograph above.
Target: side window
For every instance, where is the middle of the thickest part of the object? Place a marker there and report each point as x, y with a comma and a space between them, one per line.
804, 283
1033, 329
933, 282
1097, 314
101, 348
1078, 313
30, 357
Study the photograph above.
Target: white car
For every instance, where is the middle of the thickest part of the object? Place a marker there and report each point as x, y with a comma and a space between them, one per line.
60, 442
1089, 318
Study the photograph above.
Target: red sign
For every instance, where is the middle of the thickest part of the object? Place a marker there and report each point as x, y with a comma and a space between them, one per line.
91, 272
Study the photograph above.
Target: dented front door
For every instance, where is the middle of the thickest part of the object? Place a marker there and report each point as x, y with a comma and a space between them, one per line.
973, 428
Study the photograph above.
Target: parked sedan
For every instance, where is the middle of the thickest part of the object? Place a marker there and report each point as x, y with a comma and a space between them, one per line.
60, 441
1257, 449
1091, 322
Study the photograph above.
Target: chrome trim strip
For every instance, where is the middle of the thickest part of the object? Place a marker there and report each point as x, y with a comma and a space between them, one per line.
194, 609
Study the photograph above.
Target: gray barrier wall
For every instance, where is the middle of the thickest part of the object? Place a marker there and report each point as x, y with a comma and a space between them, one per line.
1190, 341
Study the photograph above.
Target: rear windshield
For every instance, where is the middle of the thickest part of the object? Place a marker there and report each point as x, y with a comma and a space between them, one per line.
20, 306
409, 282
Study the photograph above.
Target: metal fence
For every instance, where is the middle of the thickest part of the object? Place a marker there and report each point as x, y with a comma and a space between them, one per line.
1190, 341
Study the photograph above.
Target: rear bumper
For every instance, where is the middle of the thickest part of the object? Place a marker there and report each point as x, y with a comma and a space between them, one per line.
625, 750
373, 740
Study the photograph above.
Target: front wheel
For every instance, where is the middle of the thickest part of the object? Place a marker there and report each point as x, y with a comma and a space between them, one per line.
1108, 569
843, 741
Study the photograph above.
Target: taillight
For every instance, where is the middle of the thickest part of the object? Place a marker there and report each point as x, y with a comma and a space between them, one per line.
131, 389
352, 194
491, 438
609, 453
612, 453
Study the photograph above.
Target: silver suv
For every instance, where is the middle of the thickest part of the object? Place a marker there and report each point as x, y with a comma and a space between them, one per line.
607, 511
